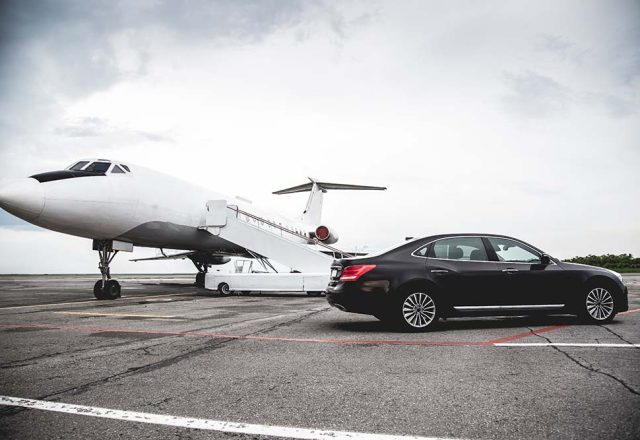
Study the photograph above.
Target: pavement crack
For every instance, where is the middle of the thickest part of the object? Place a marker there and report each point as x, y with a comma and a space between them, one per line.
619, 336
587, 366
210, 345
36, 359
289, 322
79, 389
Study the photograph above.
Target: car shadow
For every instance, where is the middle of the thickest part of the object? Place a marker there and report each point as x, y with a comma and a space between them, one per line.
465, 323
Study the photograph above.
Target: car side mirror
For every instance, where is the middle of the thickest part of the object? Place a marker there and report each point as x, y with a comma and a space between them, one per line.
545, 259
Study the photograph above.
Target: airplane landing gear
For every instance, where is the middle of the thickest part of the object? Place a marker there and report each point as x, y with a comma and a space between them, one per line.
203, 268
200, 279
106, 288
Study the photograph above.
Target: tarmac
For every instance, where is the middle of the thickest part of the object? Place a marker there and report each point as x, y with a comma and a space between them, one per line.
169, 360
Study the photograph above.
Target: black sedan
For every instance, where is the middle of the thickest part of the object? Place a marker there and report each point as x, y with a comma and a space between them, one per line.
419, 281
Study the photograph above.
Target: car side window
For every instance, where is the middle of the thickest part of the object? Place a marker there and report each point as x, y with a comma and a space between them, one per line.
422, 252
459, 248
513, 252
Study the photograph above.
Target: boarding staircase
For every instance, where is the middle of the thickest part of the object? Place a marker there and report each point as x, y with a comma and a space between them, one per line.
268, 239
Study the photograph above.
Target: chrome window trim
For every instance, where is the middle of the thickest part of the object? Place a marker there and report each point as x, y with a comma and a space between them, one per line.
413, 254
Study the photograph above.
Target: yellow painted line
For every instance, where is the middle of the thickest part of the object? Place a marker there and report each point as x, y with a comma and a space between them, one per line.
96, 301
118, 315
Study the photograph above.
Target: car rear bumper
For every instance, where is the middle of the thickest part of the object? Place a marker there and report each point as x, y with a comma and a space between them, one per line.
350, 297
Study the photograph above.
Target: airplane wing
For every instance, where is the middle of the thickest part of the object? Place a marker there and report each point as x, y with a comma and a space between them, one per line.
201, 257
179, 256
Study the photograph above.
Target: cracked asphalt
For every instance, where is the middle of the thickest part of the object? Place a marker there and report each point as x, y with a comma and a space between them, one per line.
290, 360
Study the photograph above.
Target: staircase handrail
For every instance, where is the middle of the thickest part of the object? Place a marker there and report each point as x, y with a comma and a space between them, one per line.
289, 231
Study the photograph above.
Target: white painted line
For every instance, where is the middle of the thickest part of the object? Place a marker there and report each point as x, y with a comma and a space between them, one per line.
564, 344
206, 424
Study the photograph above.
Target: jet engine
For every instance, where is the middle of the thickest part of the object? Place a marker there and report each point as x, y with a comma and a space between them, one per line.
325, 234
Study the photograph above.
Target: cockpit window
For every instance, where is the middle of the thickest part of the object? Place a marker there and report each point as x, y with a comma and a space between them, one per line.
98, 167
117, 169
125, 167
79, 165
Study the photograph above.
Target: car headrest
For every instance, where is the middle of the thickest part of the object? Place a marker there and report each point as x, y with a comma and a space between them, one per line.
455, 253
477, 254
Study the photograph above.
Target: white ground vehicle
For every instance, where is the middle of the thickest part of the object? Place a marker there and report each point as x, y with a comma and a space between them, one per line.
227, 283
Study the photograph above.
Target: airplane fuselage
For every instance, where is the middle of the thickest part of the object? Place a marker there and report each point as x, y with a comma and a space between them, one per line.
141, 206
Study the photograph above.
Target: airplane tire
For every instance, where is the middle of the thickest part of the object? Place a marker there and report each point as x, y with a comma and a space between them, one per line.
111, 290
200, 279
97, 290
224, 288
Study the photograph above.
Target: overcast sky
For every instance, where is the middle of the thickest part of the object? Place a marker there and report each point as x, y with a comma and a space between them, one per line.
511, 117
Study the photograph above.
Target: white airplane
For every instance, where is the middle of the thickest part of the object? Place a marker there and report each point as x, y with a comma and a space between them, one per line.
120, 205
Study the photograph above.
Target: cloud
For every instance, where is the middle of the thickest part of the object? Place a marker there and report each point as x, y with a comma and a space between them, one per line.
534, 95
92, 127
613, 106
76, 38
506, 111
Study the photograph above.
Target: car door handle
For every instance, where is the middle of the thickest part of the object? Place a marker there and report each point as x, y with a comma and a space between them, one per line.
439, 271
510, 270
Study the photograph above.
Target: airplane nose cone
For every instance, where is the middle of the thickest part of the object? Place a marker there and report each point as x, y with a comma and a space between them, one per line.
23, 198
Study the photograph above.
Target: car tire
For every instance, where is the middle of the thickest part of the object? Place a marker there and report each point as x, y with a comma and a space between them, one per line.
598, 305
223, 288
417, 310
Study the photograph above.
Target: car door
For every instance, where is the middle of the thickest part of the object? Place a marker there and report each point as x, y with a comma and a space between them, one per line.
525, 280
462, 269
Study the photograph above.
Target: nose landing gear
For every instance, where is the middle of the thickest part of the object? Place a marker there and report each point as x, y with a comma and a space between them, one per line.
106, 288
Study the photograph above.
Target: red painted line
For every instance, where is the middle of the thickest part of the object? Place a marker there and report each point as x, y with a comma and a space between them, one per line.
528, 333
241, 337
630, 311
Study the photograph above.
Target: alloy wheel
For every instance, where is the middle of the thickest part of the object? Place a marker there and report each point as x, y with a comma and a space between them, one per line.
419, 310
599, 304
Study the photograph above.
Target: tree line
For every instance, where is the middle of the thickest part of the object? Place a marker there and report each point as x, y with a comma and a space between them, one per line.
609, 261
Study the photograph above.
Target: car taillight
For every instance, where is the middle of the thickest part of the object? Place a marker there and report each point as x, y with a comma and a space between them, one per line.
352, 273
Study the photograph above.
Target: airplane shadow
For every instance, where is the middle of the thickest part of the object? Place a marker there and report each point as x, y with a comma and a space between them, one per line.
199, 291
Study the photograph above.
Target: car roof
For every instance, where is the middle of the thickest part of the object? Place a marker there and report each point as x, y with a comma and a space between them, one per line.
474, 234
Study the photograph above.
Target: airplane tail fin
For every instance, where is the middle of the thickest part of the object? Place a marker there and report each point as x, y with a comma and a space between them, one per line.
313, 211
